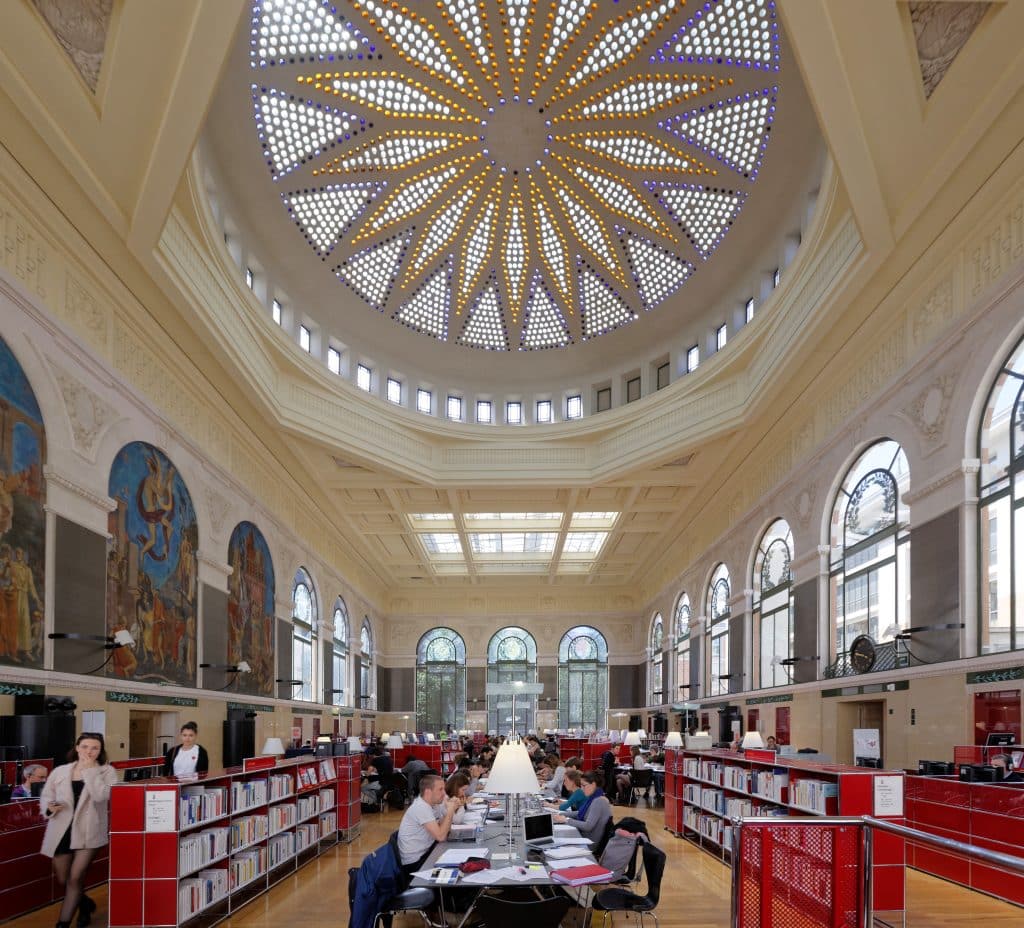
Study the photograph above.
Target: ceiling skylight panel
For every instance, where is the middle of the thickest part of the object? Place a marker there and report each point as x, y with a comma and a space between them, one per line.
594, 517
705, 214
734, 32
515, 516
477, 249
441, 542
637, 151
552, 242
427, 309
470, 18
512, 542
603, 308
734, 131
395, 151
390, 93
325, 215
584, 542
567, 19
517, 19
293, 130
515, 250
588, 229
617, 196
444, 225
657, 272
432, 516
301, 30
418, 42
619, 41
485, 327
372, 273
544, 326
410, 198
632, 98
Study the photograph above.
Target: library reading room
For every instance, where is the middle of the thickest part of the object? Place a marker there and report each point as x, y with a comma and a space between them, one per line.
477, 464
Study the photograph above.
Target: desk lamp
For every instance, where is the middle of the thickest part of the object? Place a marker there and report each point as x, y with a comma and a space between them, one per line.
752, 739
674, 739
512, 776
273, 746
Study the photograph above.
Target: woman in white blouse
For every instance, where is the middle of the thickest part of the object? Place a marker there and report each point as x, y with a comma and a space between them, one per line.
187, 758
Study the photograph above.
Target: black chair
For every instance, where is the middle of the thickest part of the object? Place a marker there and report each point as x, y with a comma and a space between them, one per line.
602, 841
640, 783
617, 899
417, 899
501, 912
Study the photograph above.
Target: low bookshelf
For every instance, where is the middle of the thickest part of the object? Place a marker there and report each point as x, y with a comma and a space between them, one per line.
706, 790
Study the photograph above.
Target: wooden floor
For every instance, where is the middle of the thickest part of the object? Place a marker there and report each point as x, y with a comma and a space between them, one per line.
695, 891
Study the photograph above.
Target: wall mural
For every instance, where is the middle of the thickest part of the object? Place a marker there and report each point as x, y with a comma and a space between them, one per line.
151, 567
251, 609
22, 520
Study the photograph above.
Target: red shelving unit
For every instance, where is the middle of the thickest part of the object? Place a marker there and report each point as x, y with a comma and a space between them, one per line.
988, 815
348, 803
198, 850
704, 790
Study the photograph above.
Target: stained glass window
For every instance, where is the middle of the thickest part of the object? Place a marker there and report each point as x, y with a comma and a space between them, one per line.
339, 655
772, 623
683, 615
656, 663
367, 695
718, 611
305, 619
511, 656
440, 681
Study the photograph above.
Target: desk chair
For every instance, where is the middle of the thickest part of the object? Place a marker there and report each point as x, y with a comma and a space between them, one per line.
417, 899
498, 912
394, 791
641, 782
622, 900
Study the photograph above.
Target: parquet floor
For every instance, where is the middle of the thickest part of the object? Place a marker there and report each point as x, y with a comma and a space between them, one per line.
695, 891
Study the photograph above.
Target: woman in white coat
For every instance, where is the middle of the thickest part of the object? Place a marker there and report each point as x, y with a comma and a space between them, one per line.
74, 801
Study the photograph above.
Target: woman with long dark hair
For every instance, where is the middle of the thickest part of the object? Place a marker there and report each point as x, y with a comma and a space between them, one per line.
74, 801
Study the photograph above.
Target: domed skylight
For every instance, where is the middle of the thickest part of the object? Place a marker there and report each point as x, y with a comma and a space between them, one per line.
514, 175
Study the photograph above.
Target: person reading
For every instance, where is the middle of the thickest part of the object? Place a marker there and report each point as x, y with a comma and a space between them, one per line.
427, 821
595, 813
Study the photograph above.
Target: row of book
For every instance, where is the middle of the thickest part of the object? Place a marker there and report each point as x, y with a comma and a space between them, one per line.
769, 784
201, 890
813, 794
201, 803
247, 830
326, 770
328, 824
197, 850
247, 865
281, 785
246, 794
280, 848
736, 778
281, 817
326, 799
711, 770
306, 776
305, 835
307, 806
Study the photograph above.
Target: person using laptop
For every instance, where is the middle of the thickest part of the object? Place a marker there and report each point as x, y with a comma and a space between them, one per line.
456, 787
576, 798
596, 811
1004, 769
427, 821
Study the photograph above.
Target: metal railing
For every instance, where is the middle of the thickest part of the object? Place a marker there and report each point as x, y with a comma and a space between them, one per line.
866, 825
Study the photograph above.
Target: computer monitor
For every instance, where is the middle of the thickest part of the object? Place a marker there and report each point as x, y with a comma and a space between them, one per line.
999, 739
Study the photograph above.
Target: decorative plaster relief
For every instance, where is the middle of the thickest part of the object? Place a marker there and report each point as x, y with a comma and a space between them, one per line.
804, 505
934, 314
878, 368
941, 29
998, 249
23, 253
88, 414
81, 30
929, 410
83, 312
218, 508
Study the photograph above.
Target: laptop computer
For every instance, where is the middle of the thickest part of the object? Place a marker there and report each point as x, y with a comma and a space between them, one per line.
539, 830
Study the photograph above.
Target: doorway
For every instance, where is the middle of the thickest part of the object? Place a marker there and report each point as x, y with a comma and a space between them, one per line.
151, 732
868, 713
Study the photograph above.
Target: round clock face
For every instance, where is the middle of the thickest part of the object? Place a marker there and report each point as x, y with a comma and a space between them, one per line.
862, 654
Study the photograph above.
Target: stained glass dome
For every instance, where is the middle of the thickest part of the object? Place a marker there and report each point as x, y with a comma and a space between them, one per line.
514, 176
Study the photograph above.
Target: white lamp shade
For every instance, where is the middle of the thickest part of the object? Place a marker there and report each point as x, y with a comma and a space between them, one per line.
512, 771
394, 742
674, 739
384, 735
642, 733
632, 739
272, 746
752, 739
354, 744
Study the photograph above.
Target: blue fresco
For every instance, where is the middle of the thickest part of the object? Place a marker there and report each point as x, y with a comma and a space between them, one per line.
152, 567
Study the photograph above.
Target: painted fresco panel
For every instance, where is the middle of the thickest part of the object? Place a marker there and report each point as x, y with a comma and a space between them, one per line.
22, 519
251, 609
151, 568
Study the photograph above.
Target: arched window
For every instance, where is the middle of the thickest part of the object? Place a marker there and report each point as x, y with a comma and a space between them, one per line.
305, 622
870, 541
772, 619
339, 655
583, 679
441, 681
656, 663
511, 656
717, 610
683, 648
366, 680
1001, 508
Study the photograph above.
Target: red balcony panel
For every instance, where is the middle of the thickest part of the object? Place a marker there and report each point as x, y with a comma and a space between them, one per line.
939, 863
1002, 800
1002, 883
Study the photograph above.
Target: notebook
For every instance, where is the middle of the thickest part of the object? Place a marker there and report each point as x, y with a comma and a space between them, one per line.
539, 829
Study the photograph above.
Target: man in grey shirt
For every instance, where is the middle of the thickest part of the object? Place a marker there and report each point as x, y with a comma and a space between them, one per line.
426, 821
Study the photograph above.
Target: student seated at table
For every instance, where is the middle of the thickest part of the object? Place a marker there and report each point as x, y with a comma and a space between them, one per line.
457, 787
378, 774
427, 821
551, 773
576, 797
624, 781
1004, 769
596, 811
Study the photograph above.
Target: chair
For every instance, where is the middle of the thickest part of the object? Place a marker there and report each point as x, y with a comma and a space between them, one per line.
501, 912
416, 900
641, 782
618, 899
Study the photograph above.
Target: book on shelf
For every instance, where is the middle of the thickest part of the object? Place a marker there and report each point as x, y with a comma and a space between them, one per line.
326, 770
246, 794
578, 876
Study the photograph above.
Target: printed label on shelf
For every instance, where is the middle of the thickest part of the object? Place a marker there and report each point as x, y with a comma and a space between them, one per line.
160, 810
888, 794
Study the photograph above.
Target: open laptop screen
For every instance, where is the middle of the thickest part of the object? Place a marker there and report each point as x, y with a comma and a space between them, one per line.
538, 827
